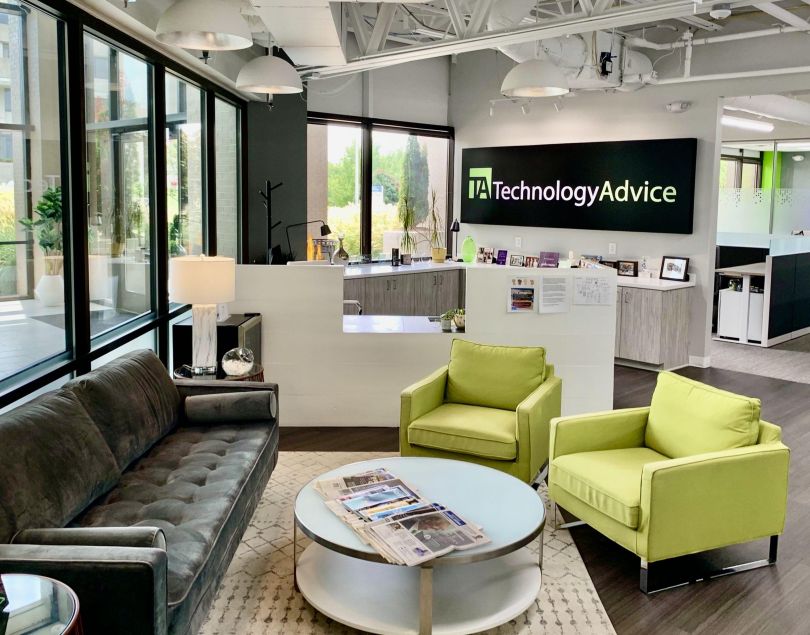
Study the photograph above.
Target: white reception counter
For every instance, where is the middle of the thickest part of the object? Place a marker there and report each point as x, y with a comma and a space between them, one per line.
333, 372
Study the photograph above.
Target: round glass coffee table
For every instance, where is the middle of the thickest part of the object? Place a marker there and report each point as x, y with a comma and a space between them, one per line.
462, 592
34, 603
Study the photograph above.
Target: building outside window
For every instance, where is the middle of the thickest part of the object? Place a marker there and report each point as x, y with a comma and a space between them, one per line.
32, 249
119, 207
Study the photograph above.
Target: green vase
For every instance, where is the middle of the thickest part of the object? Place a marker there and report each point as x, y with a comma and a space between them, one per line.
468, 250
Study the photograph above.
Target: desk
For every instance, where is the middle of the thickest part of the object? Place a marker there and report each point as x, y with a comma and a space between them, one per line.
740, 314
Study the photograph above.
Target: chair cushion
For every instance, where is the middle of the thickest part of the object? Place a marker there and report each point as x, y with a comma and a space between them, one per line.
53, 463
485, 432
608, 480
187, 485
493, 376
688, 418
132, 400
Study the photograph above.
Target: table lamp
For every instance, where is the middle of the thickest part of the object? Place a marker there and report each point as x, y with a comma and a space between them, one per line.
455, 228
203, 282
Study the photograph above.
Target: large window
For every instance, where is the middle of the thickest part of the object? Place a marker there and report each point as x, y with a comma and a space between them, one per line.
226, 143
101, 181
366, 200
409, 176
32, 242
184, 167
118, 191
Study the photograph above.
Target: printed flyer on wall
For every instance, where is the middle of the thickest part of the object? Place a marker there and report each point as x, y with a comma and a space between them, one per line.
522, 295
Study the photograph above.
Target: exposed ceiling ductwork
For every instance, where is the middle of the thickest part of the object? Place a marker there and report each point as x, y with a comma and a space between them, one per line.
778, 107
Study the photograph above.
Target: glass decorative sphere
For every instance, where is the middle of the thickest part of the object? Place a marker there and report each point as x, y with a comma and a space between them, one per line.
237, 361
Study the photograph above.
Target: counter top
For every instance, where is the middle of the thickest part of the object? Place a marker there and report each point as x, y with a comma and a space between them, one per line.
653, 283
754, 269
384, 269
390, 324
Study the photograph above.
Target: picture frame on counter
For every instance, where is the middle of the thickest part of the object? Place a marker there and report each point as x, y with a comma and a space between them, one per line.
674, 268
627, 268
608, 263
515, 260
501, 257
532, 262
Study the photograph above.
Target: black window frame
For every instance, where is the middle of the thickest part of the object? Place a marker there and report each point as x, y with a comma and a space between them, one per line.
739, 161
81, 349
367, 126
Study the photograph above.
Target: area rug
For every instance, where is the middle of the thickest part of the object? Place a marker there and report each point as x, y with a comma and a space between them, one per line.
257, 596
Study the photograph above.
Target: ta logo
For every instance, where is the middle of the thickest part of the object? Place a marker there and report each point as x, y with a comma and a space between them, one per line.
480, 183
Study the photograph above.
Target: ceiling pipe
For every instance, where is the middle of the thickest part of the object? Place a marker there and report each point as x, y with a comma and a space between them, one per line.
638, 42
768, 72
615, 18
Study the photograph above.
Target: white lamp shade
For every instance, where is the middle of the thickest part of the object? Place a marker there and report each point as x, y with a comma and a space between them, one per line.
535, 78
271, 75
204, 25
202, 279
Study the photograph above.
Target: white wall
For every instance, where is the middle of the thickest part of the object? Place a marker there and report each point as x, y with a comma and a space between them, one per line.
414, 92
476, 79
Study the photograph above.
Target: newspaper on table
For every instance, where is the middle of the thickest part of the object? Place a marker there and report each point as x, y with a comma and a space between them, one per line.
393, 518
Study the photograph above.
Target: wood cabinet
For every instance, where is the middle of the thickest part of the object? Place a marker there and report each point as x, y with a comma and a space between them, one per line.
652, 326
423, 293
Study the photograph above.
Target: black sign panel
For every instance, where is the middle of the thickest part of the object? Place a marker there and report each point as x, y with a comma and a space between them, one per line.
640, 186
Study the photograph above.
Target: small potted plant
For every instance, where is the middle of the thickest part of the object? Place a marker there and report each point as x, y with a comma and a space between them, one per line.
447, 320
437, 245
50, 289
459, 319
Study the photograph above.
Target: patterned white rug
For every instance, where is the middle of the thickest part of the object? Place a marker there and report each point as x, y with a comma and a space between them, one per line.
257, 596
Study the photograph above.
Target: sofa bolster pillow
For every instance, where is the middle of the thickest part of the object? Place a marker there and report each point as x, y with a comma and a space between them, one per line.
231, 407
149, 537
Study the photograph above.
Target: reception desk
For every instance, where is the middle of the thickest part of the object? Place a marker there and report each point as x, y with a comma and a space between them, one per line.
337, 370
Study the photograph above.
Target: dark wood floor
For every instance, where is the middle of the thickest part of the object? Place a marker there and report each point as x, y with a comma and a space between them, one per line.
772, 600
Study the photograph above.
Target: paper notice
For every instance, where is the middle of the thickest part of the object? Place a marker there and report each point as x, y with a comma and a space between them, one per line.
593, 290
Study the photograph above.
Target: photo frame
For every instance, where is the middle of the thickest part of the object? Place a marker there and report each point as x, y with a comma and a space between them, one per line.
515, 260
674, 268
501, 257
532, 262
488, 255
549, 259
627, 268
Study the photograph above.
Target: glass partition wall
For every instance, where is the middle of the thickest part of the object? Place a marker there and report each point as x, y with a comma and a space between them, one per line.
112, 160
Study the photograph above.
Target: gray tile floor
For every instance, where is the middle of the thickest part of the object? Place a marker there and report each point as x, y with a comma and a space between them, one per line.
790, 361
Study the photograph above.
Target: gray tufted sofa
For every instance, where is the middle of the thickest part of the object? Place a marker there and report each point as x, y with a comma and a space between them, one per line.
135, 490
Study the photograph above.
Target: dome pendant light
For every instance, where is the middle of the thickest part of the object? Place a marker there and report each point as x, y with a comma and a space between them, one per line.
204, 25
535, 78
269, 75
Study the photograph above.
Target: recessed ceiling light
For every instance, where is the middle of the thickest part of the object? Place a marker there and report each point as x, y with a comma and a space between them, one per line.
798, 158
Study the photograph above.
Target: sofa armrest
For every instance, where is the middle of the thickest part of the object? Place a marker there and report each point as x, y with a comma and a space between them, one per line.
230, 408
149, 537
534, 415
611, 430
227, 401
712, 500
120, 589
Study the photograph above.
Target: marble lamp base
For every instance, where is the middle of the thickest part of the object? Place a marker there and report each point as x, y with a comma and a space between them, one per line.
204, 339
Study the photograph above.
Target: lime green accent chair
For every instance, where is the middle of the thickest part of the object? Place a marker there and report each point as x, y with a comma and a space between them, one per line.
696, 470
491, 405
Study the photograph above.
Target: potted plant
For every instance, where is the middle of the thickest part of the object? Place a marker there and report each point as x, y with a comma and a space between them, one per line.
437, 245
407, 218
459, 319
447, 320
50, 289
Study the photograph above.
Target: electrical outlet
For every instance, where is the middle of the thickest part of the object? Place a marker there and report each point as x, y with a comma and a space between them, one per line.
611, 249
518, 242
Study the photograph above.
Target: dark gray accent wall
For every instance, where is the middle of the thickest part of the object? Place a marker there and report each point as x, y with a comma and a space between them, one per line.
276, 150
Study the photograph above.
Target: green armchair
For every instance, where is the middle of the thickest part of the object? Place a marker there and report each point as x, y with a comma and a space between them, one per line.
697, 470
490, 405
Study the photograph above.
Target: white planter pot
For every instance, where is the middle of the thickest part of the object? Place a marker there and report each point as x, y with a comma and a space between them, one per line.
50, 290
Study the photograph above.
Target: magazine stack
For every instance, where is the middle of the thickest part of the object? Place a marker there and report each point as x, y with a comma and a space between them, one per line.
393, 518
